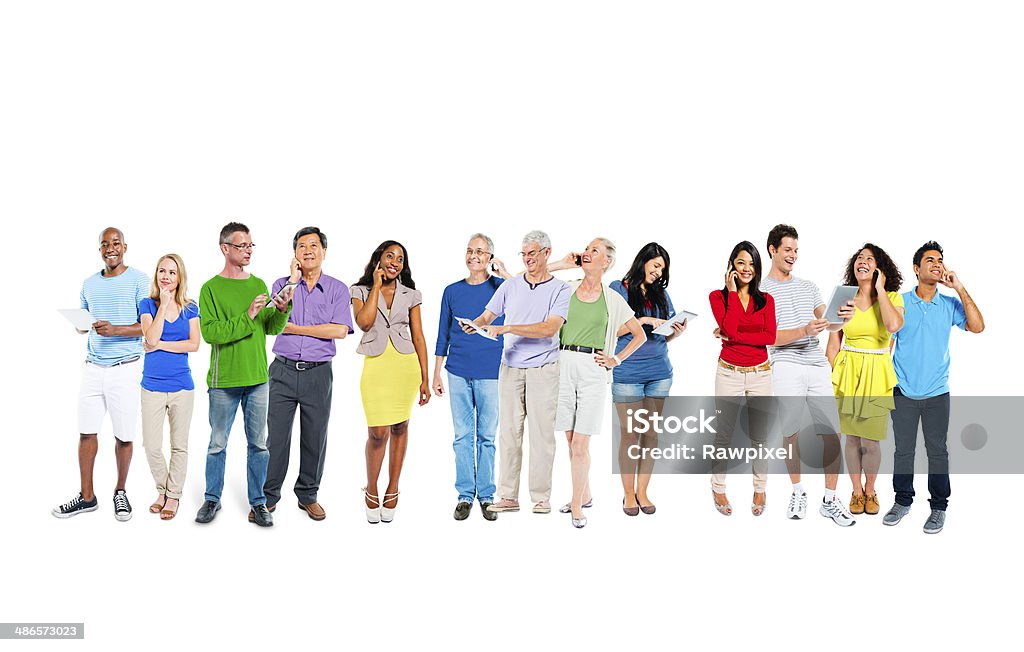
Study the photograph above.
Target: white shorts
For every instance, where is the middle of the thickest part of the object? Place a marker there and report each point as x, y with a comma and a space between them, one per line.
582, 393
115, 390
813, 384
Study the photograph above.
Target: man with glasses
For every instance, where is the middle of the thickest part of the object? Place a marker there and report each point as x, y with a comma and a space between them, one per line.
112, 374
235, 320
535, 305
472, 364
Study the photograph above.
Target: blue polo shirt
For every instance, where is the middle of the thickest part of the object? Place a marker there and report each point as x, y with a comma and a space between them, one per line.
921, 356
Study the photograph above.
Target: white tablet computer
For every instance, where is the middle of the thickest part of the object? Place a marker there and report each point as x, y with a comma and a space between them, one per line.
840, 295
666, 328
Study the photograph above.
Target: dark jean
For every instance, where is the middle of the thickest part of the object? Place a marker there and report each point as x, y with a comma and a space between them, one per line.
224, 404
933, 416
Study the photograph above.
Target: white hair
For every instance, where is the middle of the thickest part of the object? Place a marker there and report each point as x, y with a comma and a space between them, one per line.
539, 237
609, 249
487, 239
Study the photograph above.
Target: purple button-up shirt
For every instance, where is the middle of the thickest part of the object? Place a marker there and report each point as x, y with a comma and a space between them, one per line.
327, 303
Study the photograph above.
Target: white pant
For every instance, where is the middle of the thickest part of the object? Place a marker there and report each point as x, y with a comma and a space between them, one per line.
117, 390
792, 381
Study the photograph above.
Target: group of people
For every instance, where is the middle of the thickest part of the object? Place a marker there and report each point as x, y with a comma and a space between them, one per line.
517, 350
883, 361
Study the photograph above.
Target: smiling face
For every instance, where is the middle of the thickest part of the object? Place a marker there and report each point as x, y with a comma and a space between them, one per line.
310, 253
865, 265
392, 261
784, 257
239, 252
653, 270
167, 275
931, 268
595, 257
744, 266
478, 256
112, 248
535, 257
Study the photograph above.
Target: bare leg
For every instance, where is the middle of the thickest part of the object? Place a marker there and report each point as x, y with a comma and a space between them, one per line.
793, 462
123, 453
647, 442
376, 445
627, 466
871, 458
399, 441
87, 447
831, 460
579, 445
853, 460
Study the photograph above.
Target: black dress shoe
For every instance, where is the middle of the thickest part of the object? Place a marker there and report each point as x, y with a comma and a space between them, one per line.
488, 514
207, 511
260, 515
462, 510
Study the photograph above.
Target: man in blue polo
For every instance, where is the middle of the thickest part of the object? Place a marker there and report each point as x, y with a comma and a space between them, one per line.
921, 359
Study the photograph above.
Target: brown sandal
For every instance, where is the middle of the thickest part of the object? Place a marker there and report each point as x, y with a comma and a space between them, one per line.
159, 505
168, 514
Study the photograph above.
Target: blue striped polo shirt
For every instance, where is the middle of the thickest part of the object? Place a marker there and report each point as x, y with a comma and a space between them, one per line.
114, 299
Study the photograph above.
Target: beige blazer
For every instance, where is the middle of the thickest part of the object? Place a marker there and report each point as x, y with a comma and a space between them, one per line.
393, 324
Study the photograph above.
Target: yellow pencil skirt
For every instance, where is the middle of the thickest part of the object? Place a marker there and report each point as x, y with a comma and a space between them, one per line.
389, 386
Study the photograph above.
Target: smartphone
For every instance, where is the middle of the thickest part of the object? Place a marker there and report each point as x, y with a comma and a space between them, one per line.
280, 293
579, 261
874, 277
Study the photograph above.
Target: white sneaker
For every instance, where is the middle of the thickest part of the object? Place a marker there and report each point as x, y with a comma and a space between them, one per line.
797, 506
836, 510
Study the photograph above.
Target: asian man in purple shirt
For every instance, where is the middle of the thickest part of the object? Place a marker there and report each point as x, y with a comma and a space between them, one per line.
301, 375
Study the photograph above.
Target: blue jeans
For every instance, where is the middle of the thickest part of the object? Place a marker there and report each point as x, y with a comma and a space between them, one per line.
223, 407
475, 417
635, 392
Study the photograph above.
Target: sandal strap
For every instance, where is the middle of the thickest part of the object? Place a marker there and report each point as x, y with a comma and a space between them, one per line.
370, 497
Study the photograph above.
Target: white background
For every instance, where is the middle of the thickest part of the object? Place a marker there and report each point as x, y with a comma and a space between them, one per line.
696, 125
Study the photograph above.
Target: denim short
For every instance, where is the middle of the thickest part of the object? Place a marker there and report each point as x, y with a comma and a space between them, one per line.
633, 392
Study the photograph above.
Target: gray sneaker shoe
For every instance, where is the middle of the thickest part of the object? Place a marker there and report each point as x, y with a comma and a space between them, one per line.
935, 522
895, 514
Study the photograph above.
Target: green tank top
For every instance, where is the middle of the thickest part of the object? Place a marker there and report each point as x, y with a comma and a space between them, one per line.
586, 324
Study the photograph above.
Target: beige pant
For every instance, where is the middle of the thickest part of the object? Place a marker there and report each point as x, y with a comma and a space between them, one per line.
177, 406
739, 383
527, 395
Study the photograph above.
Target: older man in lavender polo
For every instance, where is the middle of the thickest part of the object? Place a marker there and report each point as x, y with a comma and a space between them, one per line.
535, 305
301, 375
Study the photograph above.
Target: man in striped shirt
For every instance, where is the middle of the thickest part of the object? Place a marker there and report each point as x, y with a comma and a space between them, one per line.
112, 372
801, 373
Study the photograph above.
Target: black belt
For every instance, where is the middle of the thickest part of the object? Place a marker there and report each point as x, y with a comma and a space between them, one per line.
579, 349
116, 364
299, 365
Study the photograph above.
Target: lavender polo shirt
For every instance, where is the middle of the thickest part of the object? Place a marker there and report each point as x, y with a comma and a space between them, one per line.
523, 303
327, 303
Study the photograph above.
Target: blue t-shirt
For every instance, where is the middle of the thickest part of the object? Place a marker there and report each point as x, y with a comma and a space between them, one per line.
164, 371
114, 299
650, 361
469, 356
921, 356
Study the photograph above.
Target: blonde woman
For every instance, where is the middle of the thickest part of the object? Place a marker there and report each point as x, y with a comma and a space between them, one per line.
170, 325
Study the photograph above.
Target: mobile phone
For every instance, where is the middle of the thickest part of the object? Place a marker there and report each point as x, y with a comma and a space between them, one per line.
280, 293
579, 261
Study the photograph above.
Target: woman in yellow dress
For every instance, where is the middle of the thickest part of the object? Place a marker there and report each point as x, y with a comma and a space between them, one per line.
862, 372
386, 304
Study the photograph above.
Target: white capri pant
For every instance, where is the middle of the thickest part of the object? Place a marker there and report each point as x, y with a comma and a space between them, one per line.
790, 379
117, 390
582, 393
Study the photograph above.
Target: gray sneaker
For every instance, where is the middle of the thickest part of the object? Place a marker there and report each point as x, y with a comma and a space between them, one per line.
895, 514
935, 522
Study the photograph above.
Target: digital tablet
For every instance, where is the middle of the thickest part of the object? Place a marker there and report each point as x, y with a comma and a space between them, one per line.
666, 328
840, 295
476, 329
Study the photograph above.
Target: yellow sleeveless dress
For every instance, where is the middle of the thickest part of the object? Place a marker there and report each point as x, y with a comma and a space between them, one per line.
863, 382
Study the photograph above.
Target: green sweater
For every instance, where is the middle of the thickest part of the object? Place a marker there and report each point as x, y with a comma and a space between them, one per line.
239, 356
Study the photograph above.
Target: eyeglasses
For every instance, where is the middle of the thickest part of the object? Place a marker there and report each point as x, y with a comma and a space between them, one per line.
478, 252
529, 255
248, 246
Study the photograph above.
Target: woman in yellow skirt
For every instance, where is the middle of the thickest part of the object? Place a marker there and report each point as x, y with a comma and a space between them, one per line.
862, 372
386, 304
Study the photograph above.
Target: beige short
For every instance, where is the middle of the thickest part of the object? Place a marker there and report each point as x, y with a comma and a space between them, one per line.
582, 394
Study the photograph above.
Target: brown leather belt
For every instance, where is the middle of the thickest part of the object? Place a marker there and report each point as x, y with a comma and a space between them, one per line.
764, 366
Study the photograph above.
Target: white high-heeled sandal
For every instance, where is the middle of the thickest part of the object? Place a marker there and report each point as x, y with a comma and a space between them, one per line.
387, 514
372, 514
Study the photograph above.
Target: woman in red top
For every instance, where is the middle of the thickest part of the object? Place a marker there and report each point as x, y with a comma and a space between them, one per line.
746, 325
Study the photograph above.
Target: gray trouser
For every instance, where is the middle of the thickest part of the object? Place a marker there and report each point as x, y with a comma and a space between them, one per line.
310, 391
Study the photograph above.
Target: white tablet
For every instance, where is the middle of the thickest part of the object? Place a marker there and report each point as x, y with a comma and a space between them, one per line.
666, 328
476, 329
840, 295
